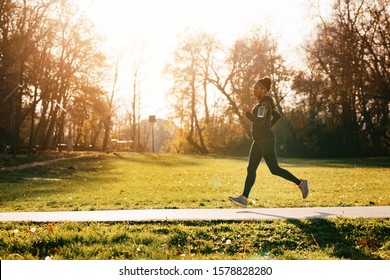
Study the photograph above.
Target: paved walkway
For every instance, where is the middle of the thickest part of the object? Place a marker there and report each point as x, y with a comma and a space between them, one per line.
237, 214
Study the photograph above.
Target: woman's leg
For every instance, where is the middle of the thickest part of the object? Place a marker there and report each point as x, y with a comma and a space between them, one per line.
268, 149
254, 159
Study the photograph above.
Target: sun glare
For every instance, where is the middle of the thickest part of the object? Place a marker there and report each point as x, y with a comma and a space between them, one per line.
154, 24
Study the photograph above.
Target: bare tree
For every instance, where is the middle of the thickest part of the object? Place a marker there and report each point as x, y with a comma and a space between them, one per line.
110, 102
250, 58
190, 71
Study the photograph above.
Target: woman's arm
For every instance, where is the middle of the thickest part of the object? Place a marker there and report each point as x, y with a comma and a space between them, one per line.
275, 117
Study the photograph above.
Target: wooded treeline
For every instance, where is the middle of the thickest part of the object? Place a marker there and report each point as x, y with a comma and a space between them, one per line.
50, 75
53, 78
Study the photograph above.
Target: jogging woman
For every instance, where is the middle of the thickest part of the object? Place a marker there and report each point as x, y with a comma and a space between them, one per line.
263, 116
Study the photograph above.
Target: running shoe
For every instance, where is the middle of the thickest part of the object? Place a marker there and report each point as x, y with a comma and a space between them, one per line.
304, 188
241, 201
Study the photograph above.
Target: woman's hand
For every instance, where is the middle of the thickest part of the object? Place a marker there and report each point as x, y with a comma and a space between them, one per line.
246, 108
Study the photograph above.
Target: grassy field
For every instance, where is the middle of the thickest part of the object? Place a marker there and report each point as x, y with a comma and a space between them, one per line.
177, 181
124, 181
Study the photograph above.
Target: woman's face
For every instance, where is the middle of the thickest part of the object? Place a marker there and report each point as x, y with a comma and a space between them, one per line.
258, 91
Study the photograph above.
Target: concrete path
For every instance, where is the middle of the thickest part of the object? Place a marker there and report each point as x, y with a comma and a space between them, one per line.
237, 214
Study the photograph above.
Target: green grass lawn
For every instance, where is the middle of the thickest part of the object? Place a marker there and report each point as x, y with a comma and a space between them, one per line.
281, 239
177, 181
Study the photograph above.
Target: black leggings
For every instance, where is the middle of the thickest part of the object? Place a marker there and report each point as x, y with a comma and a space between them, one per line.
264, 148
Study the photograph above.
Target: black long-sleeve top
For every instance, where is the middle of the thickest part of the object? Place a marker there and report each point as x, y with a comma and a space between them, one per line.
263, 116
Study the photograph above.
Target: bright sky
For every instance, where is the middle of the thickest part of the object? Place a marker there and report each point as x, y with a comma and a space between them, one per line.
148, 29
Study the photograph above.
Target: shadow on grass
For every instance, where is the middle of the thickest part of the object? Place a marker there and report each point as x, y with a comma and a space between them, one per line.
317, 215
343, 239
10, 161
374, 162
52, 172
351, 239
50, 180
162, 160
